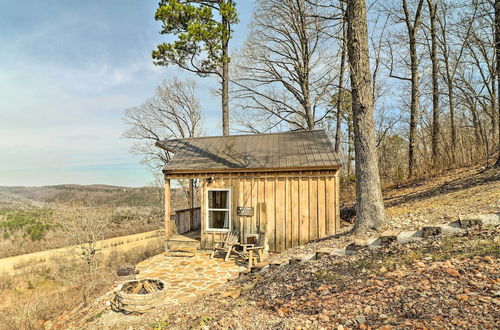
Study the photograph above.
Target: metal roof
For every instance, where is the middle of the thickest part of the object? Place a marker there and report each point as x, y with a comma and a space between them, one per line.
299, 149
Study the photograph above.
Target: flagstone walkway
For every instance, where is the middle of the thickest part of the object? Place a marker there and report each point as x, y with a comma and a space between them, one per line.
188, 277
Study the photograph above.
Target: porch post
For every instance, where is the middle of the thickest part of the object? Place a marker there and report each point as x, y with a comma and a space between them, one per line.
191, 204
167, 208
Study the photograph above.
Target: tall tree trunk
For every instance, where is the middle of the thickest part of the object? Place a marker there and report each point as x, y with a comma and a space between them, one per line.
497, 52
495, 104
412, 34
481, 139
451, 96
494, 107
369, 203
435, 86
413, 107
225, 99
225, 80
304, 70
307, 104
349, 145
451, 105
341, 84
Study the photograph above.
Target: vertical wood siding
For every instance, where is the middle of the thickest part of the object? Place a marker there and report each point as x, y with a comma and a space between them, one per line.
299, 207
180, 221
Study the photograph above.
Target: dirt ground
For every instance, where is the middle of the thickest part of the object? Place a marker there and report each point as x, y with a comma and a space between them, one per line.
444, 197
450, 282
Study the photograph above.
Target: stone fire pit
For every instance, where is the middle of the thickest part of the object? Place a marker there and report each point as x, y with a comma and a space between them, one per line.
140, 295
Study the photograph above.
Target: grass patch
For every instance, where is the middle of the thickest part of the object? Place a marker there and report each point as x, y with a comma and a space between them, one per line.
453, 247
205, 320
95, 316
159, 325
327, 277
6, 282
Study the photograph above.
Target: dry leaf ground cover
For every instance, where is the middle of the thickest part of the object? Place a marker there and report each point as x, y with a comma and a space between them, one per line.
450, 282
444, 197
447, 282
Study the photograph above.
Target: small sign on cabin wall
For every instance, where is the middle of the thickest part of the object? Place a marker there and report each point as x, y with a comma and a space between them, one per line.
244, 211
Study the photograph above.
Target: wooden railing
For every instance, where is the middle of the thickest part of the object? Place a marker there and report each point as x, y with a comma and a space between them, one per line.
186, 220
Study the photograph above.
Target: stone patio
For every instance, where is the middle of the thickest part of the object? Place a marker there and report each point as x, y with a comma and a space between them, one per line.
188, 277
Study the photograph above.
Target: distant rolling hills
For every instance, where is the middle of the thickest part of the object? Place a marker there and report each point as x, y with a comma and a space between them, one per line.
96, 194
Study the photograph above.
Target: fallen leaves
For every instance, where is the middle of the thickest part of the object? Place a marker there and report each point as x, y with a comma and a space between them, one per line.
462, 297
428, 292
324, 287
423, 286
452, 272
232, 293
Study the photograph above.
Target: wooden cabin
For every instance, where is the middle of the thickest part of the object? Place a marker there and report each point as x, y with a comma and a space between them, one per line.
283, 184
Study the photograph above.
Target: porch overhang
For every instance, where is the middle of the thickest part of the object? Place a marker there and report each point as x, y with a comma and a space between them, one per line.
206, 173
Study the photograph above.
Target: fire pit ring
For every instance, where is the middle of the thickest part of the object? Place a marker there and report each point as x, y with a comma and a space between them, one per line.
140, 295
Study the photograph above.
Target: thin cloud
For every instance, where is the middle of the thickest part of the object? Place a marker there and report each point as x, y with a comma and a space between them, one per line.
67, 72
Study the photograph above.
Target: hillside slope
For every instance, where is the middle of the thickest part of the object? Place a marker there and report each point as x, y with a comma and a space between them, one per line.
444, 282
34, 219
442, 197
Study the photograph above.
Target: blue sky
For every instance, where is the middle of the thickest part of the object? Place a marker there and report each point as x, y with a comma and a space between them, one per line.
68, 69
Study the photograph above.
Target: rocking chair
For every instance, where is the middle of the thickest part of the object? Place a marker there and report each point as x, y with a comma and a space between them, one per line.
254, 253
226, 246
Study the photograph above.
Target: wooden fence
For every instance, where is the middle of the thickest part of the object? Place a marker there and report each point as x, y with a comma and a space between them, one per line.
186, 220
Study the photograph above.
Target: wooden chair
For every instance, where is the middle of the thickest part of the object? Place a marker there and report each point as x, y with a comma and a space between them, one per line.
254, 252
227, 245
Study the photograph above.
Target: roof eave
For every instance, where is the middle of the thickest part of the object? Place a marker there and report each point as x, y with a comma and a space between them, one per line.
249, 170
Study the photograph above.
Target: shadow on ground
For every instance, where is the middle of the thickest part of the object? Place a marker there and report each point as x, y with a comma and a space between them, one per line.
480, 178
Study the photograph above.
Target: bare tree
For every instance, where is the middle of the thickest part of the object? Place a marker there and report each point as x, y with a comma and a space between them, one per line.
341, 78
173, 112
432, 44
477, 77
82, 228
369, 203
452, 58
412, 22
435, 84
284, 75
497, 52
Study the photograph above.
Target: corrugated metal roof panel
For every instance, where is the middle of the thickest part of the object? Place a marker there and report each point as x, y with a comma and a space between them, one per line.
300, 149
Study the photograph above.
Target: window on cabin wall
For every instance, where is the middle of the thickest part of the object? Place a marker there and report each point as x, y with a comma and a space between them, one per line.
219, 209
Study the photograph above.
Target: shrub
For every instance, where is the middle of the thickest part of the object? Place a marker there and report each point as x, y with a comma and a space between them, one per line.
6, 282
43, 292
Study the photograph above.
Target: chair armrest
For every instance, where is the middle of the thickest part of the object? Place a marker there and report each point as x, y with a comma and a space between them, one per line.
247, 245
255, 248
